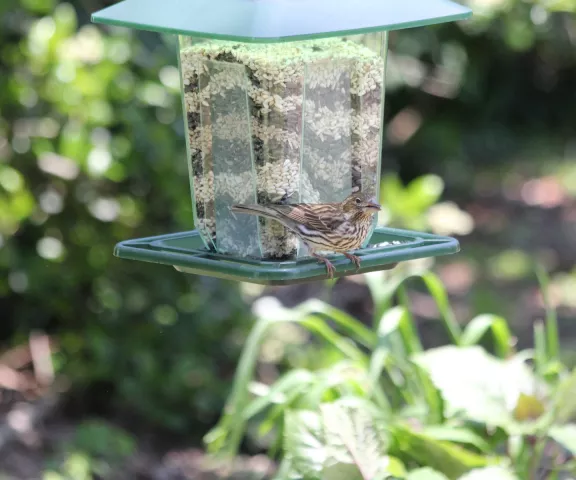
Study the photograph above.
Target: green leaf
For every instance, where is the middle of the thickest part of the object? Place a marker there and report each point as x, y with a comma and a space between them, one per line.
349, 349
425, 473
552, 341
285, 470
438, 292
458, 435
391, 467
353, 444
344, 376
424, 191
490, 473
480, 325
304, 442
78, 466
445, 457
97, 438
564, 407
354, 327
383, 286
565, 435
225, 437
408, 328
298, 379
340, 443
540, 354
392, 192
381, 358
480, 386
435, 405
275, 413
388, 331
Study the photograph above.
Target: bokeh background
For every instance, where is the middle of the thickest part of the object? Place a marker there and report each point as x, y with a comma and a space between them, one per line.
480, 144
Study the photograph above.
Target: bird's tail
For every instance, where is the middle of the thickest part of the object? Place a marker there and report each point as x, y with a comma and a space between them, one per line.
255, 210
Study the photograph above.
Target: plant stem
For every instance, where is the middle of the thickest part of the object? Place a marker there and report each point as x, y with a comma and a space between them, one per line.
538, 452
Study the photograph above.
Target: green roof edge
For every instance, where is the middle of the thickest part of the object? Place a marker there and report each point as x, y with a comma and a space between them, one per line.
421, 23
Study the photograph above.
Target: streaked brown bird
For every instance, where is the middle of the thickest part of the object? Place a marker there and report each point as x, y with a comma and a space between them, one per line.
335, 227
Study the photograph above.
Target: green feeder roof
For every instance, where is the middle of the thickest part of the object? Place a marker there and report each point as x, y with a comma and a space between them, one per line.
265, 21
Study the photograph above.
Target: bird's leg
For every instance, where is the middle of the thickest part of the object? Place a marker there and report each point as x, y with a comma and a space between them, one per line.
354, 259
327, 262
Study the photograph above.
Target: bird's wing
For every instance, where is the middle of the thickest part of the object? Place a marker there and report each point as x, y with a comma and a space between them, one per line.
322, 217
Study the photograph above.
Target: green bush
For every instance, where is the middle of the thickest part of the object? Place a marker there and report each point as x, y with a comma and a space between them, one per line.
91, 153
386, 408
96, 450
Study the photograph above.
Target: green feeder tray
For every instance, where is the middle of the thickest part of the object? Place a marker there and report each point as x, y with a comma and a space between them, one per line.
283, 102
186, 253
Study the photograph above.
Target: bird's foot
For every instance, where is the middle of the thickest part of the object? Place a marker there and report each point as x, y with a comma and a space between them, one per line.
328, 264
354, 259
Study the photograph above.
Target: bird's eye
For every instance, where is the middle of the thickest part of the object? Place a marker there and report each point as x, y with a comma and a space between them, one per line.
358, 201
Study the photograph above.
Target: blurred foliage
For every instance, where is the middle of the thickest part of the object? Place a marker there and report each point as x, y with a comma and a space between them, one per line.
92, 152
95, 452
385, 408
406, 206
466, 97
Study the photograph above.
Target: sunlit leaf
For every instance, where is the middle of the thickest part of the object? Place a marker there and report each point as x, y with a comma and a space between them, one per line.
479, 386
340, 443
565, 435
225, 437
391, 466
458, 435
424, 191
304, 442
551, 325
296, 379
448, 458
352, 443
440, 296
425, 473
540, 348
480, 325
564, 404
286, 471
490, 473
383, 286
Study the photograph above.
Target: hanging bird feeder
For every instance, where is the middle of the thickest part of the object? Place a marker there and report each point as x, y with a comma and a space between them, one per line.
283, 104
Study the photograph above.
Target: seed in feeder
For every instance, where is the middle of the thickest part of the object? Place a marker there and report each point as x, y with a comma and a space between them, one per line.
256, 132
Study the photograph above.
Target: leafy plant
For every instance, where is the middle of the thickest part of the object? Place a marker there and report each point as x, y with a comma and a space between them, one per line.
406, 206
386, 408
95, 451
90, 132
92, 152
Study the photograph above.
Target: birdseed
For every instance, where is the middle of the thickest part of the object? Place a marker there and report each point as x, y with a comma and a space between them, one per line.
278, 123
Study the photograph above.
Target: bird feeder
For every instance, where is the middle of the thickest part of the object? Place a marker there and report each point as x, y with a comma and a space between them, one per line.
283, 103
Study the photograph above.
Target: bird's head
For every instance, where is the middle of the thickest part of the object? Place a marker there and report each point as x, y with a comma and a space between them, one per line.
361, 202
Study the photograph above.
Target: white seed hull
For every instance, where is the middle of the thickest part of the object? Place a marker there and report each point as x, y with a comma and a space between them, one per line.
296, 122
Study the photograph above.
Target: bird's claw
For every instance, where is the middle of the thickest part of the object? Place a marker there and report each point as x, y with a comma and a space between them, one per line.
354, 259
329, 267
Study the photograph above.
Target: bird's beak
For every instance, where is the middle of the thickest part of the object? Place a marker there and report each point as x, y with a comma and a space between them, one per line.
373, 205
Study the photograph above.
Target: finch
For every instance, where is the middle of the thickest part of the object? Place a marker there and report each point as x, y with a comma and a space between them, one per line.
335, 227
